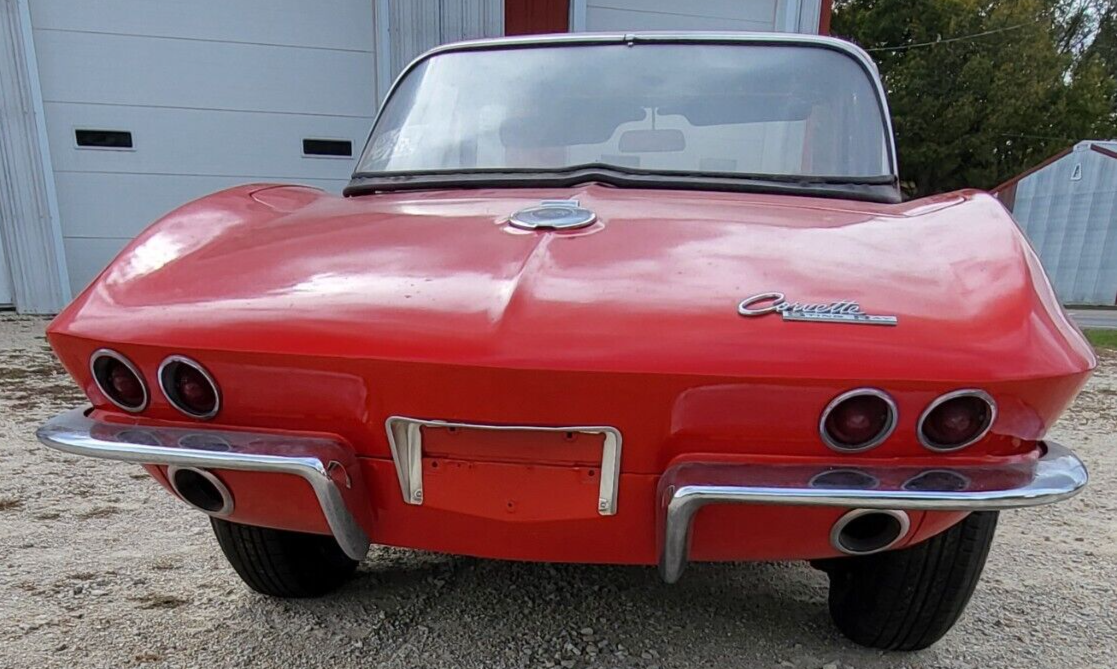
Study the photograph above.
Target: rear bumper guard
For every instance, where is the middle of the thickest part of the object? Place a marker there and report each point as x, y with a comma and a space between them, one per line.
329, 466
685, 488
331, 469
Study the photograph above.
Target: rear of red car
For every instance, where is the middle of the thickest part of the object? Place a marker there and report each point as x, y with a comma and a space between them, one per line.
598, 367
477, 402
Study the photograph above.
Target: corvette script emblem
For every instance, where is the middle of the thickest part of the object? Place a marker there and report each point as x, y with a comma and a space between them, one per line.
842, 311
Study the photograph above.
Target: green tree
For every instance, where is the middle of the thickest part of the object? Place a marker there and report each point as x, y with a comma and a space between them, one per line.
980, 90
1104, 45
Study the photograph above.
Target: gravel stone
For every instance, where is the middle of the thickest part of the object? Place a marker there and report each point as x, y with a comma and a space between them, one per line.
99, 567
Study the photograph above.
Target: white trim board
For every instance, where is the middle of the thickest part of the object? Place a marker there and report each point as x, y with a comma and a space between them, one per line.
5, 281
29, 222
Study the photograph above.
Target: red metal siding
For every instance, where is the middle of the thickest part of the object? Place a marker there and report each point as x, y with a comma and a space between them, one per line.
824, 17
528, 17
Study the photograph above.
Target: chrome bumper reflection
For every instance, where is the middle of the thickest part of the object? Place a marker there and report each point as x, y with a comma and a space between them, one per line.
328, 466
685, 488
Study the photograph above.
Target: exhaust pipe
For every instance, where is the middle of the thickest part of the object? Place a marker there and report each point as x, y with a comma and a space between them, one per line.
867, 531
201, 490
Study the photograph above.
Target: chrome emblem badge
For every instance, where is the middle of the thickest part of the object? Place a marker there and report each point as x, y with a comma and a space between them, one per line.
842, 311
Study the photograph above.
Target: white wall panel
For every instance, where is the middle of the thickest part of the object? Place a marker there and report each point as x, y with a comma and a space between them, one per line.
472, 19
416, 26
157, 72
30, 236
330, 24
1072, 223
5, 280
102, 211
87, 256
249, 145
636, 15
105, 205
215, 93
739, 10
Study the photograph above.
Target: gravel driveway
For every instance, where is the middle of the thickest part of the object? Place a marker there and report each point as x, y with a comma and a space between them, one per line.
99, 567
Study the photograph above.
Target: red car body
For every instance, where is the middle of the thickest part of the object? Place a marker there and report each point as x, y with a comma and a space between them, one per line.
433, 361
327, 315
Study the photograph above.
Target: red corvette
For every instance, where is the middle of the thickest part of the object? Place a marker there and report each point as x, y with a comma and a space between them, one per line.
639, 299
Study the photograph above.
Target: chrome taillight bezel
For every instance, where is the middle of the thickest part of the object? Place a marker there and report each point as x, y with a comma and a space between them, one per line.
166, 386
946, 397
109, 353
885, 433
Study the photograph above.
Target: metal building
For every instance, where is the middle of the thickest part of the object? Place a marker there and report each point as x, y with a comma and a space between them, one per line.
114, 112
1067, 206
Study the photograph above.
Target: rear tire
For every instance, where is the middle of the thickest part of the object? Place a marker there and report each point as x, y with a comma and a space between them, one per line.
281, 563
908, 599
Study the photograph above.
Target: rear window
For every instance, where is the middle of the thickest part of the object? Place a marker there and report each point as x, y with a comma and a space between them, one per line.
744, 109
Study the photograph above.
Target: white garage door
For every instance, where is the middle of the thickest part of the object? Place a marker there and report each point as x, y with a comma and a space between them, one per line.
717, 15
151, 103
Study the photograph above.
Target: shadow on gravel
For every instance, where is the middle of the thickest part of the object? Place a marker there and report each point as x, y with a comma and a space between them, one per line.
611, 614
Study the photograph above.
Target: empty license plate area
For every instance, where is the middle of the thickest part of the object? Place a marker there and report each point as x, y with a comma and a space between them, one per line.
566, 448
512, 475
476, 465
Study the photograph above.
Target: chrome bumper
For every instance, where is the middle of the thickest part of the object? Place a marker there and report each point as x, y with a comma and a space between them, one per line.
328, 466
685, 488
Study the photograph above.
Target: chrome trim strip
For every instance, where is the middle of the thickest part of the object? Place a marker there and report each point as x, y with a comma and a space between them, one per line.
712, 37
189, 362
836, 531
226, 496
312, 458
966, 392
405, 437
119, 357
889, 428
685, 488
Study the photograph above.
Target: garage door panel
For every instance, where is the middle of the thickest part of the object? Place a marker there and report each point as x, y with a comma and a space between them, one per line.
122, 205
85, 258
212, 143
619, 20
102, 213
147, 71
757, 11
336, 24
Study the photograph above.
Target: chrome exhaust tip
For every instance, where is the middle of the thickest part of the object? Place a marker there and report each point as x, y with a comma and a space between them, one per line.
868, 531
201, 490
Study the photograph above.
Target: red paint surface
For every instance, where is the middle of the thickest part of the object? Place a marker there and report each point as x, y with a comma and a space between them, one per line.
824, 16
322, 314
532, 17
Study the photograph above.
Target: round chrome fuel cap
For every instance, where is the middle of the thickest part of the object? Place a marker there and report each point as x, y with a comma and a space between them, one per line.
553, 215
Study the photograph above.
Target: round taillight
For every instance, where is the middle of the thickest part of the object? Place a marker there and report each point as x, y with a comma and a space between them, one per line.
956, 420
858, 420
119, 380
189, 387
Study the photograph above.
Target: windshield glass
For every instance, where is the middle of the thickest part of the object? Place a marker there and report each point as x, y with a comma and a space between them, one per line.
745, 109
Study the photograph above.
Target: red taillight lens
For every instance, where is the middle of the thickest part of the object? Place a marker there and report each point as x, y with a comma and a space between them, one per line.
126, 386
956, 422
194, 390
119, 381
189, 387
858, 420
